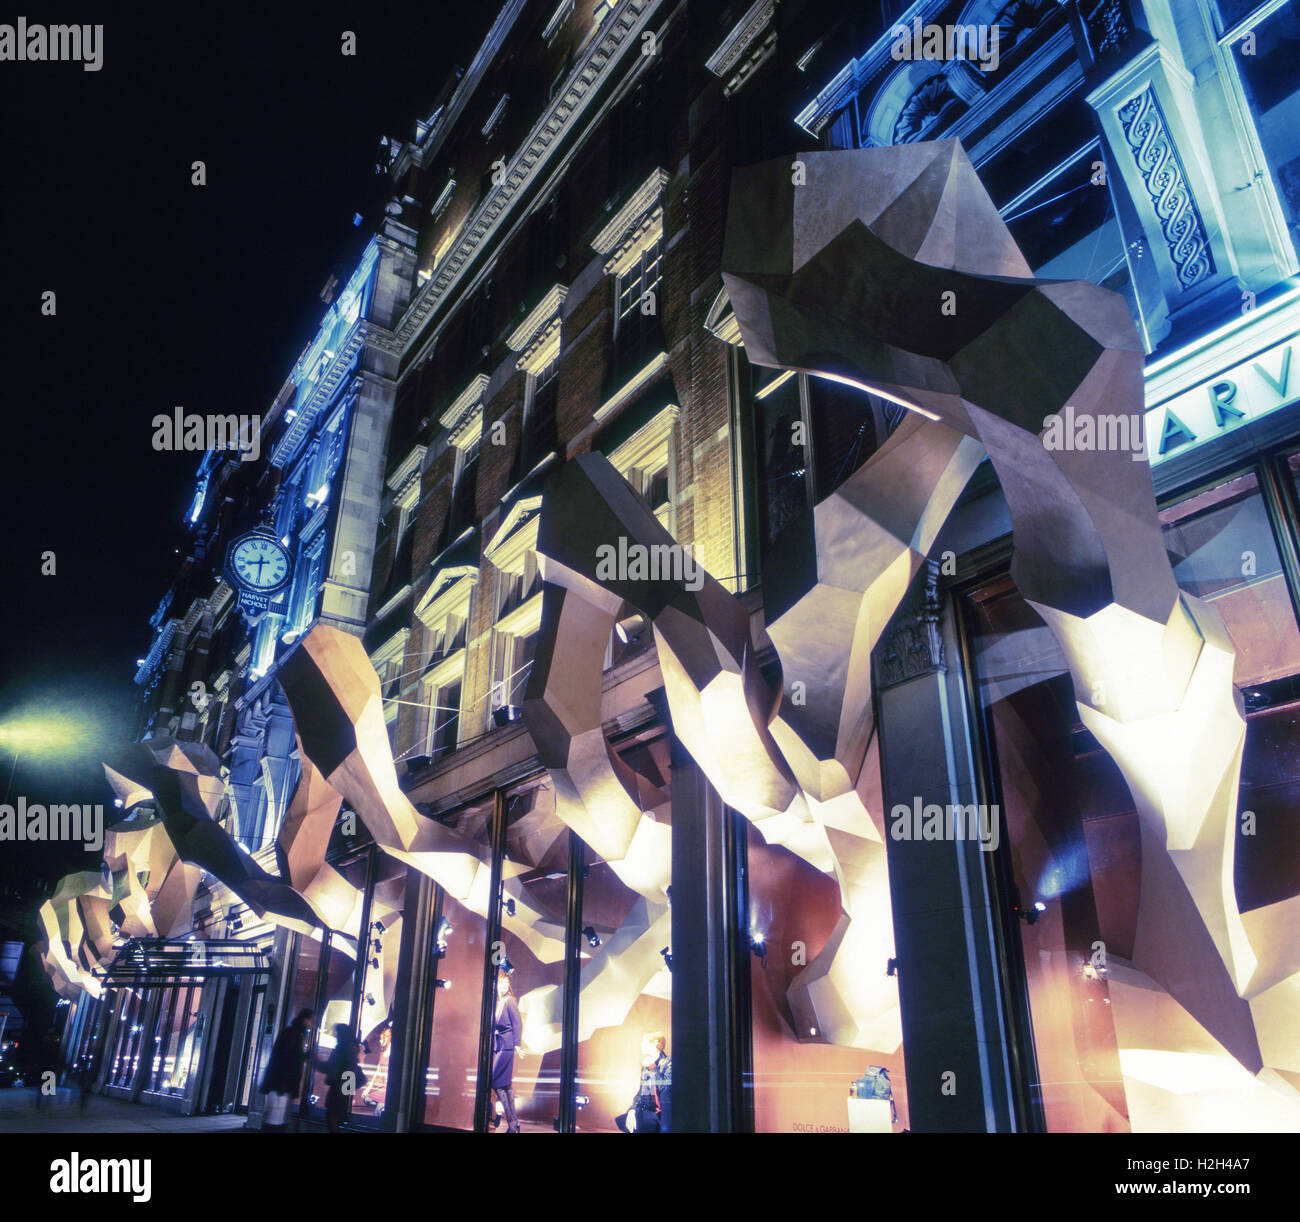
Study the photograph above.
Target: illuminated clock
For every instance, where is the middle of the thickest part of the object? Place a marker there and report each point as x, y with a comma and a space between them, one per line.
259, 562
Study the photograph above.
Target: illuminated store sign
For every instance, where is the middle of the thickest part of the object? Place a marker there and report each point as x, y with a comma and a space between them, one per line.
1243, 392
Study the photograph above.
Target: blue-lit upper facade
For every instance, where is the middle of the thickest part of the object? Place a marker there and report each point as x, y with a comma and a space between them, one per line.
1151, 148
309, 452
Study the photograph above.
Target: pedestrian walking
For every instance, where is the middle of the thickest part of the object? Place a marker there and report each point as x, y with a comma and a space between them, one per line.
282, 1081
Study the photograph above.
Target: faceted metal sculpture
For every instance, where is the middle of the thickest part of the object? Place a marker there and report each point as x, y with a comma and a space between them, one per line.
892, 270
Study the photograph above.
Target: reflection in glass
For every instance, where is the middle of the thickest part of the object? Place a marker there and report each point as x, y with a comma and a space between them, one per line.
340, 966
1221, 546
460, 947
626, 990
535, 888
379, 980
803, 1084
1115, 1051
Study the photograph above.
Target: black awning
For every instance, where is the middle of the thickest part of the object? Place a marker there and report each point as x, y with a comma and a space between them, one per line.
162, 961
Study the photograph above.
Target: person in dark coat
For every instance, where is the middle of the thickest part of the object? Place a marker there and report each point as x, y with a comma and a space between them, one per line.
507, 1035
283, 1078
342, 1071
651, 1110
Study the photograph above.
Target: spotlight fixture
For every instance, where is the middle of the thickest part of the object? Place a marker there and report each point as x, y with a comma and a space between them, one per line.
377, 944
891, 967
509, 906
668, 958
370, 999
758, 944
631, 627
442, 984
379, 926
1029, 914
375, 962
504, 714
593, 939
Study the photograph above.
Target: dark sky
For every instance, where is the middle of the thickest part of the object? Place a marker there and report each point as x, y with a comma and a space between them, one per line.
166, 294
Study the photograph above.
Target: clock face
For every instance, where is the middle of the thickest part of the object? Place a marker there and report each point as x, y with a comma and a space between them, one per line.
260, 562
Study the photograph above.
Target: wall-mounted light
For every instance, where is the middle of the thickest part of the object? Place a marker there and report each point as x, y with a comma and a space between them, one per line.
504, 714
593, 939
891, 967
758, 944
509, 905
668, 958
442, 984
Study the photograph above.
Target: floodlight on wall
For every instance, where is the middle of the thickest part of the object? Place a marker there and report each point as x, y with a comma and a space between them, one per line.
504, 714
668, 958
630, 628
442, 984
509, 905
593, 938
758, 944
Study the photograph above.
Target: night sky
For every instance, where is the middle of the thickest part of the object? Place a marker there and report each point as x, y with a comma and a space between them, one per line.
167, 294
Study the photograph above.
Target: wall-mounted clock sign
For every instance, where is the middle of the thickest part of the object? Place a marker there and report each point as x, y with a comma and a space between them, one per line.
259, 567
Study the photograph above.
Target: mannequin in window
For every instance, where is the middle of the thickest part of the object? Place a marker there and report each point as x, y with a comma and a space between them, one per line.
651, 1110
507, 1034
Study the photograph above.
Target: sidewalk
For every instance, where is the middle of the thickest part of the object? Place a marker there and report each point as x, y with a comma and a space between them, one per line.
62, 1113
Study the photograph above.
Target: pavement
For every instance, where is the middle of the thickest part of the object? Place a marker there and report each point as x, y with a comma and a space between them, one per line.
62, 1113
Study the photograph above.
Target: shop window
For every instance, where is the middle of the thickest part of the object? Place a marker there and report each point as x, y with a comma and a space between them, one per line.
534, 900
626, 982
1221, 547
458, 947
379, 958
1071, 840
802, 1083
337, 987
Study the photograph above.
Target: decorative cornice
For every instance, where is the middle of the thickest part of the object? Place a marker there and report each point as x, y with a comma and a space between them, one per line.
737, 51
321, 394
641, 200
498, 112
619, 30
406, 475
648, 440
445, 595
546, 309
557, 19
543, 350
721, 321
468, 399
650, 230
512, 540
444, 196
742, 34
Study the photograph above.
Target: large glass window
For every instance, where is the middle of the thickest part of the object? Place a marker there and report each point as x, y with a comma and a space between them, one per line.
534, 904
626, 981
459, 949
801, 1082
337, 990
379, 956
1114, 1051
